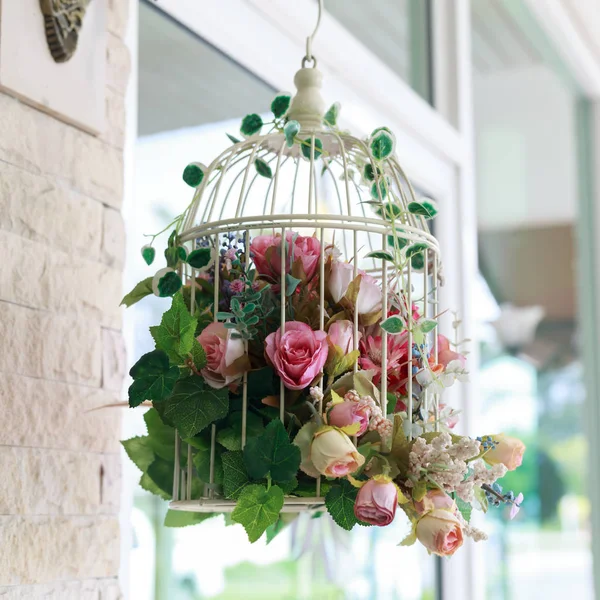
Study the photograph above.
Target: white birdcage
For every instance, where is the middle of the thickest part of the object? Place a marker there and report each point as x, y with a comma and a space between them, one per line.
316, 186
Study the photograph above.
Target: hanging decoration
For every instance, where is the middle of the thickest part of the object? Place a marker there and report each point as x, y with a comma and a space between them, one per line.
300, 364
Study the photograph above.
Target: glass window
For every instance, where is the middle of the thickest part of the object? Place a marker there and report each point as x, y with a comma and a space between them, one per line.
397, 32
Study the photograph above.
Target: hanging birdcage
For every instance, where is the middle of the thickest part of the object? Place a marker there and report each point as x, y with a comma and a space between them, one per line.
311, 178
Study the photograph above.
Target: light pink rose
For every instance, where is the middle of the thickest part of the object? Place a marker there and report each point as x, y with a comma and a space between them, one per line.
298, 355
226, 359
509, 452
349, 412
446, 355
341, 333
333, 454
433, 500
440, 532
265, 251
369, 295
376, 501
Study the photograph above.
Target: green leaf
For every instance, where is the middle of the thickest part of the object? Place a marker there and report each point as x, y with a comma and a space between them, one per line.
481, 498
275, 529
262, 168
398, 242
231, 436
198, 355
202, 460
199, 258
172, 256
291, 283
169, 284
332, 114
340, 504
280, 105
193, 174
369, 172
233, 138
175, 334
465, 509
193, 406
235, 478
291, 130
153, 378
182, 252
392, 400
417, 261
181, 518
393, 325
382, 254
423, 209
382, 144
272, 452
382, 186
148, 254
148, 484
161, 437
160, 472
389, 211
419, 491
427, 325
251, 124
139, 451
257, 508
141, 290
307, 148
416, 249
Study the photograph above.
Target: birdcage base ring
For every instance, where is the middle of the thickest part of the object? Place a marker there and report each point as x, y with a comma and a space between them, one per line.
221, 505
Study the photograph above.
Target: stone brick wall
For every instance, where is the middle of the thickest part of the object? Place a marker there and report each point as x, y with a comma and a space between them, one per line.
61, 353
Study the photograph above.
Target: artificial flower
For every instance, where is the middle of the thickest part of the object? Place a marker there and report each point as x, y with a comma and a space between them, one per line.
376, 501
368, 299
516, 506
440, 531
507, 451
433, 500
226, 358
333, 454
341, 334
298, 355
347, 413
446, 355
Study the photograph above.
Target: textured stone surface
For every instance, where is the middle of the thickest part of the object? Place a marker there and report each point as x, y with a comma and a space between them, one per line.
58, 482
118, 64
113, 238
50, 346
40, 144
50, 414
93, 589
40, 209
114, 134
118, 13
38, 550
113, 360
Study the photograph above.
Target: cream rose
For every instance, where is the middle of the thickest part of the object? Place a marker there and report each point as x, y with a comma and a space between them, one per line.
333, 454
508, 451
440, 532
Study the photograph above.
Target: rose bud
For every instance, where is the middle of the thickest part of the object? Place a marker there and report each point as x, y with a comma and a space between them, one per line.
333, 454
341, 334
508, 451
433, 500
376, 501
440, 532
347, 413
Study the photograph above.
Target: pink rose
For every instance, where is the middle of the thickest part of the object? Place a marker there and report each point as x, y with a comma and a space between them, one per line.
333, 454
433, 500
446, 355
298, 355
376, 501
440, 532
508, 451
226, 359
265, 251
369, 295
341, 333
349, 412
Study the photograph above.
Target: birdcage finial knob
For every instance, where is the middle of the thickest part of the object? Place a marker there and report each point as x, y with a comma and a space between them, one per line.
308, 106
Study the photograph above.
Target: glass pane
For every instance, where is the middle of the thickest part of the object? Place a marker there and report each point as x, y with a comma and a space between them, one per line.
397, 32
531, 377
190, 96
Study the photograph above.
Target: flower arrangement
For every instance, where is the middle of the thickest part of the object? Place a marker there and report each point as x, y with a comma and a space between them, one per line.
220, 373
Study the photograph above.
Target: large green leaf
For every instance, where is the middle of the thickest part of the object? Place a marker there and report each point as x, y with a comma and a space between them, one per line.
340, 504
257, 508
175, 334
148, 484
160, 472
193, 406
202, 459
161, 437
235, 478
141, 290
139, 451
153, 378
231, 436
272, 452
179, 518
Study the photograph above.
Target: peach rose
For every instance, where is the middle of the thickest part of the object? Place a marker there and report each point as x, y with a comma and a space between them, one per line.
376, 501
440, 532
333, 454
226, 359
433, 500
508, 451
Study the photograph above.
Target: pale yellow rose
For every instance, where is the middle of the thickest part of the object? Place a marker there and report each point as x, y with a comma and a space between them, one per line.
333, 454
440, 532
508, 451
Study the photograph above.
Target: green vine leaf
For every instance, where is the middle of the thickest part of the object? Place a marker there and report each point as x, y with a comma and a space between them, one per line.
148, 254
397, 242
415, 249
193, 174
332, 114
193, 406
389, 211
161, 437
426, 208
382, 143
153, 378
291, 130
139, 451
141, 290
369, 172
199, 258
281, 104
427, 325
159, 478
166, 282
393, 325
340, 504
307, 148
233, 139
381, 254
235, 478
251, 124
382, 186
257, 508
175, 334
263, 168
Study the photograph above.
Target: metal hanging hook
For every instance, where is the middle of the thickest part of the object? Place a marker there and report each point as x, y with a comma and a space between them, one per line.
309, 40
